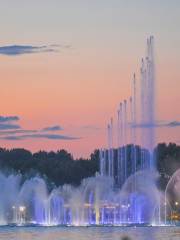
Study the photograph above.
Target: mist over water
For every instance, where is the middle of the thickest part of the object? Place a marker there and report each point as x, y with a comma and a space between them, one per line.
94, 202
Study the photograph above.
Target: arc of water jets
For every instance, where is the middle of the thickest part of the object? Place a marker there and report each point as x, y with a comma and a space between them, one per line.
147, 119
118, 163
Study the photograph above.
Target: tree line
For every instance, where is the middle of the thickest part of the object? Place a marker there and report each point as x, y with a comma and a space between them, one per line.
61, 168
56, 167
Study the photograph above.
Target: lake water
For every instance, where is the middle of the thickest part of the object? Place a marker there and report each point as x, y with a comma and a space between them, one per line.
89, 233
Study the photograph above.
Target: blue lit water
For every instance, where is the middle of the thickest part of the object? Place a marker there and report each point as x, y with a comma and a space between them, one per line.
89, 233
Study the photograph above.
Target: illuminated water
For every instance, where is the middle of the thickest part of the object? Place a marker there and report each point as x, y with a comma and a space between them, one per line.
95, 233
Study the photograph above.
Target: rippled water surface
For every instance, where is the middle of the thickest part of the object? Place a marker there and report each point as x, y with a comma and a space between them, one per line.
89, 233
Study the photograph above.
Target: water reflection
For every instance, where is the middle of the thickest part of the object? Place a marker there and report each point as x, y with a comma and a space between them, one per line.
89, 233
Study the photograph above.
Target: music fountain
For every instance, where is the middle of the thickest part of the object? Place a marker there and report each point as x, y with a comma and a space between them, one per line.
124, 192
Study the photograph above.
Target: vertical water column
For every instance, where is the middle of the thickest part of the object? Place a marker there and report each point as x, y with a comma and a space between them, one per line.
131, 136
118, 148
109, 150
134, 121
134, 217
120, 159
151, 103
148, 103
112, 149
125, 139
143, 107
121, 172
102, 156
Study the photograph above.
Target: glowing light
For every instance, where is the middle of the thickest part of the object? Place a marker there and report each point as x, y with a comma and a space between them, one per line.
87, 205
22, 208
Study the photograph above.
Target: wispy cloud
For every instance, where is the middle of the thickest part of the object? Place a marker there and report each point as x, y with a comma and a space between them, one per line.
6, 126
157, 124
11, 138
41, 136
7, 123
15, 50
8, 118
145, 125
173, 124
18, 131
52, 128
14, 132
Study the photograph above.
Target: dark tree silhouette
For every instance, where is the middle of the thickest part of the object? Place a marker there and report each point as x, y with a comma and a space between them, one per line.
56, 167
61, 168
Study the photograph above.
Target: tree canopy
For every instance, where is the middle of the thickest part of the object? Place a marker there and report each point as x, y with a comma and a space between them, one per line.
61, 168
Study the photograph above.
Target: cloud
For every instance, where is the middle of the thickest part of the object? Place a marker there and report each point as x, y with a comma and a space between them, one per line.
67, 46
18, 131
157, 124
41, 136
9, 126
11, 138
52, 128
52, 136
6, 123
13, 132
144, 125
14, 50
8, 118
173, 124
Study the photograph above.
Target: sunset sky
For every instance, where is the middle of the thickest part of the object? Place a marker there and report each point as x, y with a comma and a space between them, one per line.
66, 64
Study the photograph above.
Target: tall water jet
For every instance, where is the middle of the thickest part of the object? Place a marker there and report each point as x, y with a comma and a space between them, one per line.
118, 146
125, 138
132, 158
134, 122
148, 101
121, 172
134, 99
112, 149
109, 149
